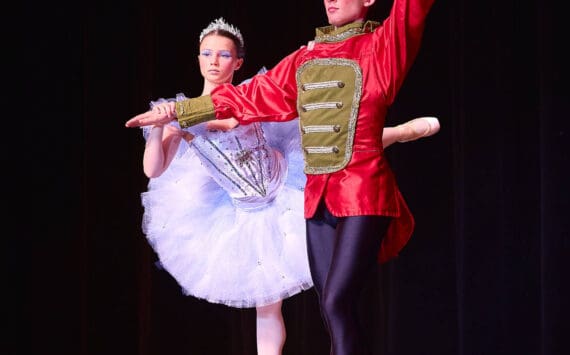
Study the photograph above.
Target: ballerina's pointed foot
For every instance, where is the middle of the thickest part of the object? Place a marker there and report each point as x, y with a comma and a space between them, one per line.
418, 128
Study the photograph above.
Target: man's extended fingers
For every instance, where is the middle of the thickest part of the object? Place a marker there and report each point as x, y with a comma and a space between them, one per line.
150, 117
138, 120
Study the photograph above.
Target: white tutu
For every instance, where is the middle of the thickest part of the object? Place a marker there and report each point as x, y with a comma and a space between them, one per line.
232, 245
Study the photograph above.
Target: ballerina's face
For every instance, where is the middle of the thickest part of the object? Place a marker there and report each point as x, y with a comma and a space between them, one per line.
218, 59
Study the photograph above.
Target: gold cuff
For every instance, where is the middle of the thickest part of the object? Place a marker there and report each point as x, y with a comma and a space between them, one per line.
193, 111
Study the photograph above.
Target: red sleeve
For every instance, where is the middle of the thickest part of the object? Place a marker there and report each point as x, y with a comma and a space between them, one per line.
398, 40
267, 97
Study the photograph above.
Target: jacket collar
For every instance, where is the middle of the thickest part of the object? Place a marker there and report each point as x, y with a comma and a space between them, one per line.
337, 34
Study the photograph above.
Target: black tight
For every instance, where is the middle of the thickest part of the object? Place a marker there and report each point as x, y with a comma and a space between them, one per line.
342, 252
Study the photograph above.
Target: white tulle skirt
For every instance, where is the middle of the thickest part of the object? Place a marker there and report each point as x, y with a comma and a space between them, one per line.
218, 252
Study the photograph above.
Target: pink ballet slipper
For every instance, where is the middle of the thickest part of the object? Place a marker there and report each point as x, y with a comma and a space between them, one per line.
418, 128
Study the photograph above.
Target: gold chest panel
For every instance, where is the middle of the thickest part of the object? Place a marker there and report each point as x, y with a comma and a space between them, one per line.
329, 92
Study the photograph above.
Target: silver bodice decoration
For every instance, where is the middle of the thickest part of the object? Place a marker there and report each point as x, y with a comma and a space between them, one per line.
242, 162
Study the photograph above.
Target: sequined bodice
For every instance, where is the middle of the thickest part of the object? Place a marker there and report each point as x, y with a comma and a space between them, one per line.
242, 162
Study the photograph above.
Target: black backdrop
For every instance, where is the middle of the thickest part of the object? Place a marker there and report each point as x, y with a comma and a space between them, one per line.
484, 273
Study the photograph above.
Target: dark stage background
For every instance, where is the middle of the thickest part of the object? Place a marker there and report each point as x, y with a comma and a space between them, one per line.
484, 272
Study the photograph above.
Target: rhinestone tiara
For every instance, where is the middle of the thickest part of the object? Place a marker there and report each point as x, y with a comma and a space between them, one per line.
221, 24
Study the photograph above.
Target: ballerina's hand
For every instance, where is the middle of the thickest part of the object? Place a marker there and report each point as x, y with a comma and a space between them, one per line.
171, 130
160, 114
187, 136
222, 125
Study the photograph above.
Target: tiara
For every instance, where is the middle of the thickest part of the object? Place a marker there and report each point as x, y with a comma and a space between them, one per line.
220, 24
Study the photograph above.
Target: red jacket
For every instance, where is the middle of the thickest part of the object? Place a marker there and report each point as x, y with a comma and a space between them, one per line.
381, 55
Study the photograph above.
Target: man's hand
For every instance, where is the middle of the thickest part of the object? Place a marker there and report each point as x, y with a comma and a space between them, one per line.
159, 115
222, 125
